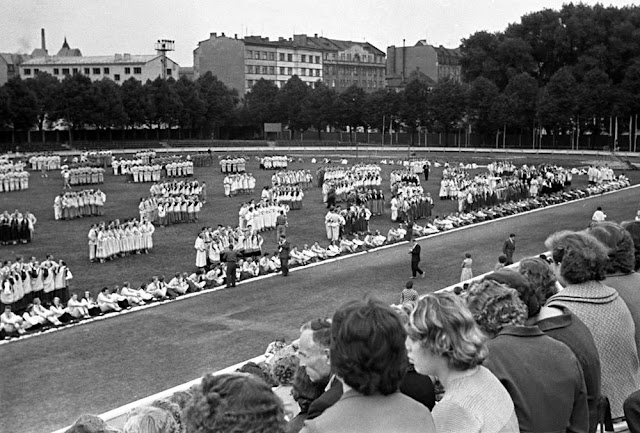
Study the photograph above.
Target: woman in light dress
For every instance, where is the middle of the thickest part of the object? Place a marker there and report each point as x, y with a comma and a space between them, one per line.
467, 270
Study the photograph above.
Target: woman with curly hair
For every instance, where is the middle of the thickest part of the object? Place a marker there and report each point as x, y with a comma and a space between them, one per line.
234, 403
580, 263
560, 324
444, 341
542, 375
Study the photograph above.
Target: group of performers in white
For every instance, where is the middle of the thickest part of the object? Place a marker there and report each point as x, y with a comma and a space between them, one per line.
260, 216
235, 184
410, 204
22, 282
301, 178
84, 175
599, 174
16, 227
180, 188
290, 196
146, 156
14, 181
211, 244
123, 166
232, 165
179, 169
146, 173
171, 209
274, 162
338, 182
108, 241
45, 162
78, 204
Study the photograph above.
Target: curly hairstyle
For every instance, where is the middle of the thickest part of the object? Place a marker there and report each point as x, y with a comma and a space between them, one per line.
633, 227
261, 370
172, 409
304, 391
515, 280
494, 306
581, 256
622, 252
541, 279
321, 331
151, 419
368, 346
443, 325
234, 403
283, 368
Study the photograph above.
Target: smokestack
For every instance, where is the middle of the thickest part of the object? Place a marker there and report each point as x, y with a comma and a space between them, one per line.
44, 43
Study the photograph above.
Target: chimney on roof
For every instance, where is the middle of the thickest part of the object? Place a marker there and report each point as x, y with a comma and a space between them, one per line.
222, 34
213, 35
315, 35
235, 36
127, 56
44, 42
280, 39
118, 57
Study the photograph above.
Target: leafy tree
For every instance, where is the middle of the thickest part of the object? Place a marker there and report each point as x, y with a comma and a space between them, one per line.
22, 104
46, 88
77, 102
318, 108
557, 104
414, 106
109, 110
219, 101
481, 97
291, 99
521, 96
262, 104
350, 108
164, 102
191, 114
381, 105
5, 108
135, 102
447, 106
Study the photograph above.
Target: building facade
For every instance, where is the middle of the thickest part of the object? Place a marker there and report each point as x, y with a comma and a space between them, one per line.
117, 67
423, 62
240, 63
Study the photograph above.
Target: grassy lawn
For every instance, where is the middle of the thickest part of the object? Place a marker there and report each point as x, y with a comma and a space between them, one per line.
173, 245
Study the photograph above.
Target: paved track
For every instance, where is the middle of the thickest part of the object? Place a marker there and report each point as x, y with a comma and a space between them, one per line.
47, 381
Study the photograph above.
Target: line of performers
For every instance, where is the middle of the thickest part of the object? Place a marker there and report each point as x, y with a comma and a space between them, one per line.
123, 166
170, 210
84, 175
45, 162
233, 165
274, 162
180, 187
22, 282
290, 196
146, 156
403, 177
17, 227
599, 174
301, 178
235, 184
14, 181
410, 204
179, 169
260, 216
78, 204
108, 241
146, 173
211, 244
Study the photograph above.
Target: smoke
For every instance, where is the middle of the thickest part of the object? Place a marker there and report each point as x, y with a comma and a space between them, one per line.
24, 44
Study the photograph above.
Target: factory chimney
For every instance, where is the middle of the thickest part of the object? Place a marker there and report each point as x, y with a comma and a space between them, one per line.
44, 43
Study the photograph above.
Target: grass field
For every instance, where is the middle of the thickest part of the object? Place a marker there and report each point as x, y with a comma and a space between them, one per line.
173, 245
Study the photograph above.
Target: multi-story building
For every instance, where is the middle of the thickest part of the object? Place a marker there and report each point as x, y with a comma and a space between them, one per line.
117, 67
240, 63
422, 61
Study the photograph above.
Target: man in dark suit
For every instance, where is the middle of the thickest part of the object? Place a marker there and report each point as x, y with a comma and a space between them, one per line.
414, 250
283, 252
509, 248
230, 257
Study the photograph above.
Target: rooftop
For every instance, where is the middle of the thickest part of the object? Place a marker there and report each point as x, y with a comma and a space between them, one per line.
91, 60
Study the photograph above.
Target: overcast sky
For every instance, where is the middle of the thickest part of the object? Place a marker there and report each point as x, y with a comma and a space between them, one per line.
102, 27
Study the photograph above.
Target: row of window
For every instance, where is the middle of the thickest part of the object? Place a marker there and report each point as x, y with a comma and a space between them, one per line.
283, 57
279, 83
369, 72
271, 70
368, 84
89, 71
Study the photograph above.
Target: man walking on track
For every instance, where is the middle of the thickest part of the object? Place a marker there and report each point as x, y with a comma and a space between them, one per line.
231, 258
283, 252
281, 225
509, 248
414, 250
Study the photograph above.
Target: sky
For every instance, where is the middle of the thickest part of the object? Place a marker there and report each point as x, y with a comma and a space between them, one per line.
105, 27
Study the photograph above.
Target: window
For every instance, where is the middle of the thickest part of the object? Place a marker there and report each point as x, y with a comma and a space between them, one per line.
27, 71
289, 57
303, 71
116, 77
137, 70
65, 71
96, 71
105, 71
249, 84
318, 59
74, 70
282, 83
282, 57
264, 55
289, 71
272, 70
264, 70
249, 54
342, 56
282, 71
249, 69
169, 72
56, 71
303, 58
257, 55
87, 71
317, 72
272, 55
35, 70
349, 56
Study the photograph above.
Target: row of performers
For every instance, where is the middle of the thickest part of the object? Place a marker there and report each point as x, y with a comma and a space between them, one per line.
260, 216
301, 178
235, 184
84, 175
367, 173
7, 166
166, 211
180, 188
146, 156
45, 162
123, 166
274, 162
16, 227
23, 281
233, 165
14, 181
109, 241
405, 177
78, 204
339, 222
372, 199
210, 244
411, 206
290, 196
340, 190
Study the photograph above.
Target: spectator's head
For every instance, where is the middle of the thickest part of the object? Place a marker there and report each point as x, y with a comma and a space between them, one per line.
502, 259
150, 419
283, 368
261, 370
304, 391
515, 280
367, 347
494, 306
633, 227
467, 255
441, 327
578, 257
314, 348
90, 424
234, 402
539, 274
622, 252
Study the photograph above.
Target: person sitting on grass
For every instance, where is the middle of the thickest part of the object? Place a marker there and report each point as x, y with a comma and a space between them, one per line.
32, 321
266, 265
311, 256
216, 275
321, 253
106, 302
91, 305
358, 243
39, 310
134, 297
396, 234
59, 311
156, 289
196, 281
333, 250
122, 301
12, 323
297, 258
178, 284
347, 246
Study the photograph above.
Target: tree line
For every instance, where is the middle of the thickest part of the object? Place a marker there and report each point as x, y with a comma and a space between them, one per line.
571, 71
